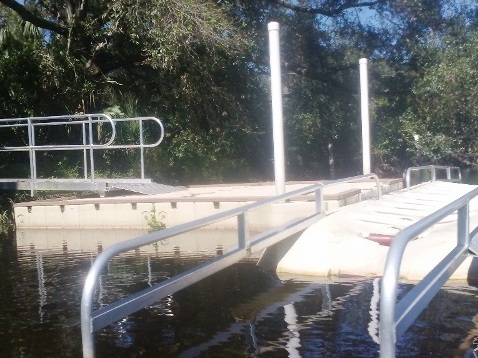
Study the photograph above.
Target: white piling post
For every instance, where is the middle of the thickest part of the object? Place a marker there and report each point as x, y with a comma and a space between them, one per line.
277, 121
365, 116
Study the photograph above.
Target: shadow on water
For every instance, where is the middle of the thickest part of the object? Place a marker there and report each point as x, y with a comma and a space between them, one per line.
243, 311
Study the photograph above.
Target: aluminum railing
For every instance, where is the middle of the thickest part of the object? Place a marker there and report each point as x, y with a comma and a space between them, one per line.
92, 320
432, 171
141, 146
396, 317
91, 125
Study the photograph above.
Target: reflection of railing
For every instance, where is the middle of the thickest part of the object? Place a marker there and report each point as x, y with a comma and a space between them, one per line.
396, 317
92, 127
92, 321
431, 171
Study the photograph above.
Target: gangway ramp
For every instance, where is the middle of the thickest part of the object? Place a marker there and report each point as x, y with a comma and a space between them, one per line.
248, 242
101, 186
430, 206
355, 239
82, 135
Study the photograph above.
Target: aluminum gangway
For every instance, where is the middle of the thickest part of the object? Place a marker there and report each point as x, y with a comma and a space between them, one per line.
93, 320
395, 317
94, 133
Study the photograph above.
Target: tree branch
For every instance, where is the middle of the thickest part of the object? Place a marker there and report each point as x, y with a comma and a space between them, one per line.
325, 12
32, 18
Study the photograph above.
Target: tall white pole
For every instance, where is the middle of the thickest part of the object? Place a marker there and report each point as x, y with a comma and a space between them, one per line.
277, 121
365, 116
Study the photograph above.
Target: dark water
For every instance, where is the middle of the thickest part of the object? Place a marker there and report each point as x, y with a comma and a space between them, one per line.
240, 312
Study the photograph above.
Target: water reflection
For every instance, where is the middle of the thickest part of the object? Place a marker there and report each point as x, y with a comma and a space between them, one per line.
241, 312
290, 316
373, 326
41, 284
93, 240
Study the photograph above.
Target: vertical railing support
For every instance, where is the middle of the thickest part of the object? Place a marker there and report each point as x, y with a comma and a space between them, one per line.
31, 151
85, 156
242, 231
319, 200
87, 338
141, 143
463, 225
92, 159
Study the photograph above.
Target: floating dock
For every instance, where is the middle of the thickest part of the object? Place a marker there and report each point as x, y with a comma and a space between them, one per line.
350, 240
353, 241
187, 204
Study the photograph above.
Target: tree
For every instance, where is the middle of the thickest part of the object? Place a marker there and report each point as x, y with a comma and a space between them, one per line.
179, 60
442, 121
202, 67
418, 84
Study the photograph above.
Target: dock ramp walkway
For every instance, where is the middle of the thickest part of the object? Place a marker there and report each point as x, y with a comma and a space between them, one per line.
355, 239
85, 137
444, 211
431, 219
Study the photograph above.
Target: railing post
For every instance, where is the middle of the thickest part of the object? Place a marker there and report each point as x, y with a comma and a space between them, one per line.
141, 146
433, 173
388, 297
31, 150
85, 157
242, 231
408, 178
379, 187
92, 160
87, 337
319, 200
463, 225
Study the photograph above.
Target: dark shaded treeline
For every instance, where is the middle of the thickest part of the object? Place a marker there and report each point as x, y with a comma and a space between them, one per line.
202, 67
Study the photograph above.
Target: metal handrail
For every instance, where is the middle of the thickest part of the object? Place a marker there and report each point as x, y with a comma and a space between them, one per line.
141, 144
87, 145
396, 317
92, 321
68, 120
433, 169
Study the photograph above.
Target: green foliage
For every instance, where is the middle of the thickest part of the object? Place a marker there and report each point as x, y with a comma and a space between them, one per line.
6, 221
442, 120
155, 220
202, 67
170, 31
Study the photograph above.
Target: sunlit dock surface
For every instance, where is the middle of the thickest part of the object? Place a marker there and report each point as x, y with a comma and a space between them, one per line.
186, 204
353, 240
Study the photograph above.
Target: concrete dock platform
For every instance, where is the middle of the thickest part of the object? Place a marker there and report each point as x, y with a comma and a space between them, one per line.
350, 240
187, 204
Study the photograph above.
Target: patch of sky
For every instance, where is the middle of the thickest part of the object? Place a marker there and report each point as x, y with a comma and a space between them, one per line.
451, 8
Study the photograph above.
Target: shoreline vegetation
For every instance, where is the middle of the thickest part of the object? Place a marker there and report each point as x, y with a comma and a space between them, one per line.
211, 86
202, 68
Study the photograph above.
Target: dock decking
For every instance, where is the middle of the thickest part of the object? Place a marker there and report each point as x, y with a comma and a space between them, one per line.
185, 204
